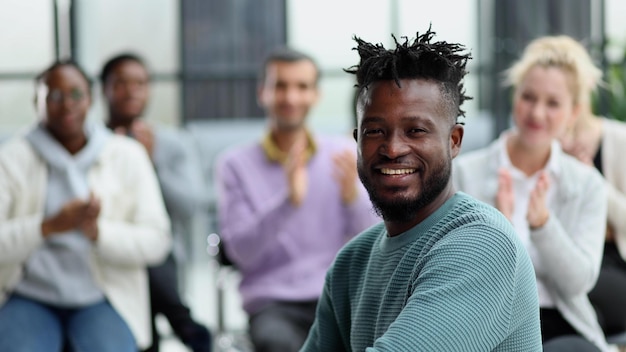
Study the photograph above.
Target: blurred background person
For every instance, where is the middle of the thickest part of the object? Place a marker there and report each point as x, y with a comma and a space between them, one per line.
81, 217
287, 204
599, 142
126, 88
556, 203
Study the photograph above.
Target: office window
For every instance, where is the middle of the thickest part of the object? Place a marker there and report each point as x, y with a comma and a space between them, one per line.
27, 37
223, 43
506, 26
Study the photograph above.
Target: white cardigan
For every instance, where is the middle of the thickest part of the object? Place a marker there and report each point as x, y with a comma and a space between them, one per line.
614, 170
570, 244
133, 226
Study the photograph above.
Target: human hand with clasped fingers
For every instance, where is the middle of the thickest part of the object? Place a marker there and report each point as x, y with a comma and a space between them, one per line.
538, 212
505, 197
295, 169
76, 214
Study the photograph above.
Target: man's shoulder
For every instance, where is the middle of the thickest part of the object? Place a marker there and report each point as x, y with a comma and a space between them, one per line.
466, 204
473, 220
238, 151
171, 137
242, 158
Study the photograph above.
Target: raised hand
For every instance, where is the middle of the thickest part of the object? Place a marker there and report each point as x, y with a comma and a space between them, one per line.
345, 173
538, 212
140, 131
143, 133
295, 168
505, 197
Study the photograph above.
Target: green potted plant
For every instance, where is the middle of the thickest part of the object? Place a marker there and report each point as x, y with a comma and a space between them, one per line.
610, 99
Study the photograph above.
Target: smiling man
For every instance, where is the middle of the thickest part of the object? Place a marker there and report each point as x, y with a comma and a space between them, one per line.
444, 272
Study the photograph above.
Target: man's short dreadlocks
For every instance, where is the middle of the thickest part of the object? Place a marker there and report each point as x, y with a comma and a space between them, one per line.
440, 61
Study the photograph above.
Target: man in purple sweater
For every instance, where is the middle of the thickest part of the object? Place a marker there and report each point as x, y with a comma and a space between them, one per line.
286, 205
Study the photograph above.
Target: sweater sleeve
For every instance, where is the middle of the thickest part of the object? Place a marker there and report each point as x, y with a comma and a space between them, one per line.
143, 237
571, 253
325, 334
467, 297
19, 235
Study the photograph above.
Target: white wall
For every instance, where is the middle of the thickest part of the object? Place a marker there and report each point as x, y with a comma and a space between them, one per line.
615, 28
149, 28
324, 29
27, 45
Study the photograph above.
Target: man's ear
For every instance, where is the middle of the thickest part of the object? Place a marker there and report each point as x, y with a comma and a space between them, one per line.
456, 139
355, 134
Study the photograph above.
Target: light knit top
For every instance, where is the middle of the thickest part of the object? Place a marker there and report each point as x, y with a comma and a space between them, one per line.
282, 250
459, 281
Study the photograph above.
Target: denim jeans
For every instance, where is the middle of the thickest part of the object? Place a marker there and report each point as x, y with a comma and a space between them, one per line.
29, 326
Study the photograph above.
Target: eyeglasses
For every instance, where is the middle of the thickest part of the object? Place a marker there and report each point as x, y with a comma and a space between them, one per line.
57, 97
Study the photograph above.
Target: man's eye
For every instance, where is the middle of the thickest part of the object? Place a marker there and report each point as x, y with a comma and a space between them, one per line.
369, 132
417, 130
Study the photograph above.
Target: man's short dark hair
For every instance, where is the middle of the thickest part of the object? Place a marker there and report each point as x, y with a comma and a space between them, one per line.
420, 59
285, 54
110, 65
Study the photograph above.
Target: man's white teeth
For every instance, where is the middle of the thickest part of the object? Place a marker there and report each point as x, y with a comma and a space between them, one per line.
397, 171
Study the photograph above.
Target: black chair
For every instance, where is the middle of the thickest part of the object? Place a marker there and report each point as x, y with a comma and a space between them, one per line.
618, 340
226, 340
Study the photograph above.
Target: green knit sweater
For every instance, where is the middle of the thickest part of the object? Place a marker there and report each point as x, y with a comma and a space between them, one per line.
458, 281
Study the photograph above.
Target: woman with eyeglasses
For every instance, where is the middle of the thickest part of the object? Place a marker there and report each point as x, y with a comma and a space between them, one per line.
81, 216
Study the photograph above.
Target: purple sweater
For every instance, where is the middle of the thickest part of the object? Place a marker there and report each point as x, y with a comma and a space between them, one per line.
283, 251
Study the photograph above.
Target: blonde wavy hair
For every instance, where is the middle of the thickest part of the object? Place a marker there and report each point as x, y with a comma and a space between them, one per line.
562, 52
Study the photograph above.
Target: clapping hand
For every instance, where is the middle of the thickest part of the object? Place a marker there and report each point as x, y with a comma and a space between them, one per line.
538, 213
345, 172
76, 214
505, 197
295, 168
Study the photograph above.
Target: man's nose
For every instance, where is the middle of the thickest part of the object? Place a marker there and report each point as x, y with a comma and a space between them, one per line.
395, 146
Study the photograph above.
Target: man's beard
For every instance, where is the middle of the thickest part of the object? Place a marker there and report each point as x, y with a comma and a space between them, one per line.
404, 209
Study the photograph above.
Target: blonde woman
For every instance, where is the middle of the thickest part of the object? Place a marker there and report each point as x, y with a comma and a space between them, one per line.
598, 142
557, 204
